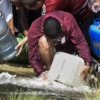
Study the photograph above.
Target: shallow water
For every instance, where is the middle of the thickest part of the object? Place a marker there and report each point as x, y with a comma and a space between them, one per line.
12, 84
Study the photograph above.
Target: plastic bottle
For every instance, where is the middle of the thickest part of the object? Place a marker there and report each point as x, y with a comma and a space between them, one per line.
94, 34
94, 5
7, 42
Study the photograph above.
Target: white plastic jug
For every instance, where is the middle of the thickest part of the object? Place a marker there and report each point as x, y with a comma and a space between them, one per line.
65, 68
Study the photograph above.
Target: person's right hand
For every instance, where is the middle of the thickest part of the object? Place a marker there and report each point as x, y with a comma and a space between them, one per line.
84, 71
21, 45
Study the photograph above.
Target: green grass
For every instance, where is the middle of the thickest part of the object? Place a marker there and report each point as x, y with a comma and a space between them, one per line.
95, 95
92, 96
22, 96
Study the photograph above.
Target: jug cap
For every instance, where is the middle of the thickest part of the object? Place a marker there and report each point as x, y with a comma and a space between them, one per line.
97, 21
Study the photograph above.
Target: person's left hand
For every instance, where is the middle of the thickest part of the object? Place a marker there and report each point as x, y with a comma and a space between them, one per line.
98, 27
21, 45
84, 71
44, 78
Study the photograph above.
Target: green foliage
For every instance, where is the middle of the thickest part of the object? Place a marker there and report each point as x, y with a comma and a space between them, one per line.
92, 96
95, 95
22, 96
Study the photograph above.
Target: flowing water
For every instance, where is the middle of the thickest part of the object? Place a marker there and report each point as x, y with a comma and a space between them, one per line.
12, 84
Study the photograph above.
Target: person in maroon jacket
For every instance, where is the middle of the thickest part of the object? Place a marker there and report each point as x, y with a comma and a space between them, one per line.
71, 6
60, 30
79, 8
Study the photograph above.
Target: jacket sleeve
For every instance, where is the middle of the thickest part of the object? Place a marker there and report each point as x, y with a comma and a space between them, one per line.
79, 40
34, 56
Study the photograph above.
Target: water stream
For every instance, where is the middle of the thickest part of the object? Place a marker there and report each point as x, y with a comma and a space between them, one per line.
10, 83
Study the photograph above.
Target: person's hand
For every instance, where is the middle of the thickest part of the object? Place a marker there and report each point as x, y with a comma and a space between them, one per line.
44, 78
98, 27
3, 62
84, 71
21, 45
96, 4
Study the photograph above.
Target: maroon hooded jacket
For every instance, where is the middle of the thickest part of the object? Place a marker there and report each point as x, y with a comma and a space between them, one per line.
70, 6
71, 36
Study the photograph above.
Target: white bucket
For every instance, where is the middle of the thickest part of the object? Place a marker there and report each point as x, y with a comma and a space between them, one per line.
65, 68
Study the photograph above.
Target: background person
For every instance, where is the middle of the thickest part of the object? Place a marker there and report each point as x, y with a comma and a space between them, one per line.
23, 20
6, 10
70, 6
60, 30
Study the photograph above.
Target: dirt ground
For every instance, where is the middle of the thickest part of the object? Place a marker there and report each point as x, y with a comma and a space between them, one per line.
24, 70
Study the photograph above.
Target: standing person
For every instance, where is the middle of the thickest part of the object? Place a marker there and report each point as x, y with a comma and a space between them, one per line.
23, 21
60, 30
6, 10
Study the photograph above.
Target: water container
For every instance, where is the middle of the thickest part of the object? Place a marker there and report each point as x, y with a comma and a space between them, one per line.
65, 68
7, 42
23, 57
94, 34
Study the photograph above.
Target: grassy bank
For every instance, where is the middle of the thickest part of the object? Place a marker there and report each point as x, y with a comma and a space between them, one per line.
22, 96
93, 96
95, 84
